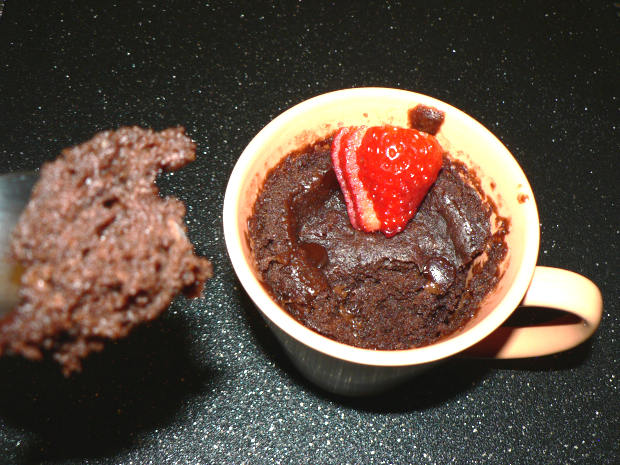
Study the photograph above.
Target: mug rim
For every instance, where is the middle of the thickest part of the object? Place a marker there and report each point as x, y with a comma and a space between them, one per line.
278, 316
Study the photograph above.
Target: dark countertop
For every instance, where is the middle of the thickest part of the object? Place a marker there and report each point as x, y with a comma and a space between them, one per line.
208, 383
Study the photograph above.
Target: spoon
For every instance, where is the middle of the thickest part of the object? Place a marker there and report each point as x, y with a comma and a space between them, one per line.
14, 195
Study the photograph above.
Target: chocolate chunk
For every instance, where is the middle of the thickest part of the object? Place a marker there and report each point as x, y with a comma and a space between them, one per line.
427, 119
439, 272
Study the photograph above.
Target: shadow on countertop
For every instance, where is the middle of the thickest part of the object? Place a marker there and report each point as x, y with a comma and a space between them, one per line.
434, 387
135, 384
454, 378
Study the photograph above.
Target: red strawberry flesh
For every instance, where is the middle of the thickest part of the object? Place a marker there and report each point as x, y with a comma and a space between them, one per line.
384, 173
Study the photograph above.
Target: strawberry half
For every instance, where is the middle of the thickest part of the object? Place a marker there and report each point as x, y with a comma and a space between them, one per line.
384, 173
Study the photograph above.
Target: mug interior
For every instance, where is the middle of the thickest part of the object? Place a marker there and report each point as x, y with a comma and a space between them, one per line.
464, 138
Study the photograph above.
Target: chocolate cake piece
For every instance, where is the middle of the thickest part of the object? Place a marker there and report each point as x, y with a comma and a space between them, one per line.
101, 251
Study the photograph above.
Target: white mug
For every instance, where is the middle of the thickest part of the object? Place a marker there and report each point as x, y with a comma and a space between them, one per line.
349, 370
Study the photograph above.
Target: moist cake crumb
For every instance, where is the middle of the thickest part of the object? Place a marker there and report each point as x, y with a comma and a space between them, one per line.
101, 251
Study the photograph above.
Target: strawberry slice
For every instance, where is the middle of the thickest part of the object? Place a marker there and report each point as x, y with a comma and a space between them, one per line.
344, 158
384, 173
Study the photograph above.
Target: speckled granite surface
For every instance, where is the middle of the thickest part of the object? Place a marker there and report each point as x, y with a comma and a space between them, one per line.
208, 383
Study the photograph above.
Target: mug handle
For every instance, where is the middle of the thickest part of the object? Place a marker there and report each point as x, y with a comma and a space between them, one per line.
550, 288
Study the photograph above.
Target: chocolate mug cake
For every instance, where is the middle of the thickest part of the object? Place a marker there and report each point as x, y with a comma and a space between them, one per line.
366, 289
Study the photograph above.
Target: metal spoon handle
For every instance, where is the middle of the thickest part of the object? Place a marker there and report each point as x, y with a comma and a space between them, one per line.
15, 191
